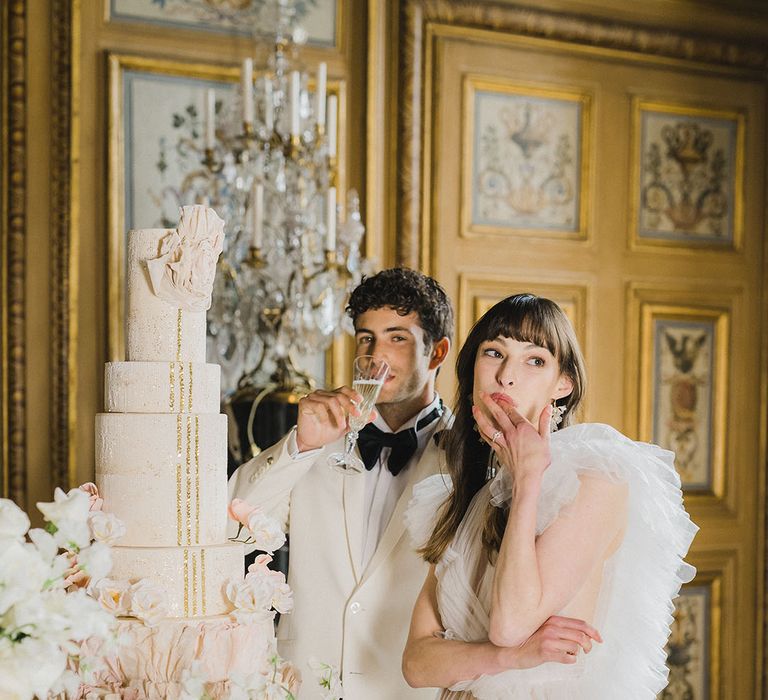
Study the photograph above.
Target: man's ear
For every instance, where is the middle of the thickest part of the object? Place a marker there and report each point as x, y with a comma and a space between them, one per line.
564, 386
439, 353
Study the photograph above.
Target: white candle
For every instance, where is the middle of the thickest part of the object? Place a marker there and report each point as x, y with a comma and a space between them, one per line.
210, 118
246, 78
330, 233
257, 214
295, 102
269, 108
332, 109
322, 75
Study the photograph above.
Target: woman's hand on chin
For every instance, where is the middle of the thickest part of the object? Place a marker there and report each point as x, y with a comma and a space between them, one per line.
520, 446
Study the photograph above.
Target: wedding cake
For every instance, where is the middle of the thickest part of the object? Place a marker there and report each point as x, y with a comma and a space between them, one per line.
161, 469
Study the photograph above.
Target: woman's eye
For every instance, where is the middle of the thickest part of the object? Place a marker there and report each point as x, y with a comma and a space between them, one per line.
491, 352
536, 361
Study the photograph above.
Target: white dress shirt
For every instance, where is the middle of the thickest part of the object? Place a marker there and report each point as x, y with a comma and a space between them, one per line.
382, 489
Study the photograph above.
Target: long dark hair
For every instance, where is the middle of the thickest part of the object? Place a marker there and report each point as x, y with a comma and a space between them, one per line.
523, 317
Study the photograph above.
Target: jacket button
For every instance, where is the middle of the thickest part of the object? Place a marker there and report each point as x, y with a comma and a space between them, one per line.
354, 608
270, 460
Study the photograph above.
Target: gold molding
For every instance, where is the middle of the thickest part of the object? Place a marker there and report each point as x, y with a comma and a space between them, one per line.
472, 83
12, 253
65, 58
427, 20
677, 246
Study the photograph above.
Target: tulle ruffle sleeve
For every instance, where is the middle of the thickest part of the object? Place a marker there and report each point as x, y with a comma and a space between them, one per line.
424, 506
640, 580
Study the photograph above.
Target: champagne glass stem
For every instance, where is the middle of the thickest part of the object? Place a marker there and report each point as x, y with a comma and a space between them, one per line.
350, 444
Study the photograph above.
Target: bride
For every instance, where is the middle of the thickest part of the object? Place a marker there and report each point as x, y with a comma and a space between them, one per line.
582, 522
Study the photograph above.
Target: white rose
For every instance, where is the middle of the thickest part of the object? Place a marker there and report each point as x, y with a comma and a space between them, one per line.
71, 506
282, 598
45, 543
96, 560
13, 521
30, 667
252, 599
87, 618
72, 534
112, 595
22, 571
105, 527
148, 602
265, 532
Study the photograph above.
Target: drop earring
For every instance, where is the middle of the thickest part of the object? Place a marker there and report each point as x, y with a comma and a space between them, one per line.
493, 462
557, 416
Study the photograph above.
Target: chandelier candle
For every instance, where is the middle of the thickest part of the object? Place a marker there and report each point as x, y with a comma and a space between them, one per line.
247, 90
322, 75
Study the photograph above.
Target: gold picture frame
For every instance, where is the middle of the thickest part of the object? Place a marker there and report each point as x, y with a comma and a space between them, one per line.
678, 380
536, 194
699, 655
199, 76
677, 191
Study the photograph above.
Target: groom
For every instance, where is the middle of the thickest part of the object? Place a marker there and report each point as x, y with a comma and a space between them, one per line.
353, 570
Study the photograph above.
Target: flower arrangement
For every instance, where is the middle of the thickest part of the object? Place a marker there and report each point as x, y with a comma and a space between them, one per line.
46, 610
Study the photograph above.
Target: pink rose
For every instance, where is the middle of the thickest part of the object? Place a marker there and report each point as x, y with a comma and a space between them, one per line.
240, 511
96, 502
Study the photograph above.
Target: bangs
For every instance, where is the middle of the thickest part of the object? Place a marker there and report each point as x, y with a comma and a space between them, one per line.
530, 319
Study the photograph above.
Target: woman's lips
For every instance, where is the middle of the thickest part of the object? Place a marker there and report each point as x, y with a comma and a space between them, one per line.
503, 398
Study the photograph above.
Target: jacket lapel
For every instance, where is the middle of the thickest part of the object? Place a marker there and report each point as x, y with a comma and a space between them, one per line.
427, 465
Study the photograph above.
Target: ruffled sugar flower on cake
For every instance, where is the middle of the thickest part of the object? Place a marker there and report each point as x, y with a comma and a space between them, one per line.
148, 602
255, 526
45, 618
184, 270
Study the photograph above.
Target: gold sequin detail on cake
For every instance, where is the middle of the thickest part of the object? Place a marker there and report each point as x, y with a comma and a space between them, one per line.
194, 583
172, 393
202, 578
179, 529
186, 582
197, 479
178, 336
189, 479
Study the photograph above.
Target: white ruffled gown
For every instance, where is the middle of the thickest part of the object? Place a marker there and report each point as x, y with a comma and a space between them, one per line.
634, 605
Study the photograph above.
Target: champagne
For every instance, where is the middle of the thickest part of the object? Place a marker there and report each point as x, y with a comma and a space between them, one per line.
369, 389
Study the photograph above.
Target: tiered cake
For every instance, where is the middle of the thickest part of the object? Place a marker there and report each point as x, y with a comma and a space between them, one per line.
161, 468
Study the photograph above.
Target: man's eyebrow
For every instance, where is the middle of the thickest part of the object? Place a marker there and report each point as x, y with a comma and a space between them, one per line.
391, 329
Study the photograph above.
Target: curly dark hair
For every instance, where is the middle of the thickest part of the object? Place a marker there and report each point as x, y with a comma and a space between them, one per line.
405, 291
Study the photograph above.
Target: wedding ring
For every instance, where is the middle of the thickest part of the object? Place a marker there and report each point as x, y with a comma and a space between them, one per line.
496, 436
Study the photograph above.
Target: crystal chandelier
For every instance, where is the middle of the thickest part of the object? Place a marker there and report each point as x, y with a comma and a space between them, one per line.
291, 257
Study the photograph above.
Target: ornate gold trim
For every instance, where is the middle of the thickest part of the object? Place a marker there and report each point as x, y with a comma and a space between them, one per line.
65, 69
425, 21
12, 250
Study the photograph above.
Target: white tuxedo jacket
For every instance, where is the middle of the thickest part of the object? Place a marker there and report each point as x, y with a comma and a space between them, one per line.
352, 617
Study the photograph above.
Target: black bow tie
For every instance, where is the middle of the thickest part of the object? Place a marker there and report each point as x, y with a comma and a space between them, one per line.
403, 443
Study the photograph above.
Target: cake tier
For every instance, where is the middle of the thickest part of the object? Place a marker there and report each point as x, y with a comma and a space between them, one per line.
157, 331
164, 475
161, 387
193, 577
151, 661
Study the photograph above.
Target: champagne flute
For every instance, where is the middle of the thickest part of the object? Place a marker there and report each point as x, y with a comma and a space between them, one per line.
368, 376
